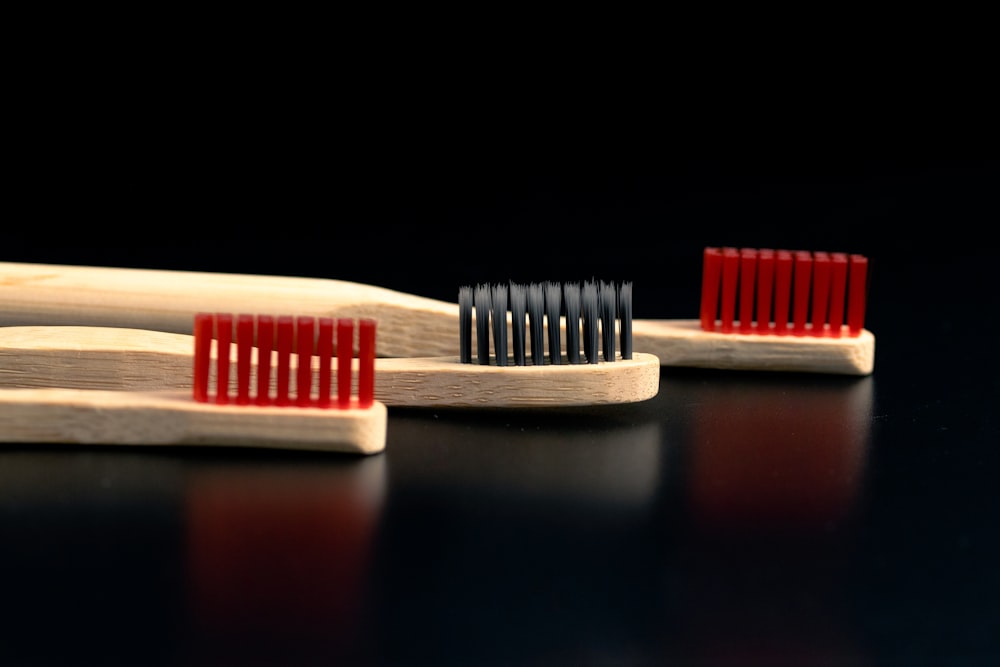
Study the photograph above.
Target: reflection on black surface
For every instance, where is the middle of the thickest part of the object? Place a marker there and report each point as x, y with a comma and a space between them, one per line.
277, 559
713, 524
774, 477
133, 556
89, 555
777, 455
580, 458
517, 536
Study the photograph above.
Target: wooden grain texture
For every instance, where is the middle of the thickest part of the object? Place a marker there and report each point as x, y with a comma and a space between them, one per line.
114, 358
684, 343
172, 417
409, 325
161, 300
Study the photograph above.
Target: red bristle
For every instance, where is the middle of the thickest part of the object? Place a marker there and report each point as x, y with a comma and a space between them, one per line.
286, 333
812, 293
782, 290
730, 281
820, 292
800, 292
366, 377
324, 350
224, 337
345, 350
748, 270
203, 325
711, 272
765, 288
303, 373
265, 346
857, 286
307, 337
838, 292
244, 351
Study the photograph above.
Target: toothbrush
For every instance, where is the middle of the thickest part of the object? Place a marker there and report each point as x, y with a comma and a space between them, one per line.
413, 325
772, 310
145, 360
320, 419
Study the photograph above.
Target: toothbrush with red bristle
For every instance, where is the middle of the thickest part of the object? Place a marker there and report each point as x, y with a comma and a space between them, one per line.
813, 303
742, 289
776, 310
303, 412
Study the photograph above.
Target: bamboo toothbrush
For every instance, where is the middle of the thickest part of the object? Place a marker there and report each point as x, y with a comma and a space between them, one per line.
595, 372
775, 287
775, 310
319, 419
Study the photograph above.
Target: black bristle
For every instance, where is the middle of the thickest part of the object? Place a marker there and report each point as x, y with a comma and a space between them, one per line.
571, 304
590, 302
625, 318
518, 309
465, 324
553, 310
536, 323
483, 301
594, 312
609, 306
500, 324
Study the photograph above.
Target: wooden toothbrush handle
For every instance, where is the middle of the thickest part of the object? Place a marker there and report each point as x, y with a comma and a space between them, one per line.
83, 416
137, 360
166, 300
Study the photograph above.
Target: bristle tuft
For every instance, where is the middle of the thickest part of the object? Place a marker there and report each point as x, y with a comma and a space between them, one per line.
483, 301
857, 294
223, 341
367, 327
204, 324
499, 315
265, 350
244, 351
345, 352
286, 333
553, 312
625, 318
465, 324
304, 337
518, 311
609, 308
536, 322
574, 310
590, 301
324, 350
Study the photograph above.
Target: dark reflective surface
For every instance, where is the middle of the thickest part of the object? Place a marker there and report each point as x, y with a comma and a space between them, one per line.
734, 518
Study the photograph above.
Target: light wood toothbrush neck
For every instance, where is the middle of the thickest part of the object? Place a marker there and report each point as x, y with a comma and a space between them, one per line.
166, 300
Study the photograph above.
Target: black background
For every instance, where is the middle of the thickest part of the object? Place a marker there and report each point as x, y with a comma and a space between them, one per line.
428, 214
478, 557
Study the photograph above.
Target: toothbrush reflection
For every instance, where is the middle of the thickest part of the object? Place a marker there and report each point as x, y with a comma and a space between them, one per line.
778, 457
565, 457
503, 531
277, 558
185, 557
775, 476
89, 552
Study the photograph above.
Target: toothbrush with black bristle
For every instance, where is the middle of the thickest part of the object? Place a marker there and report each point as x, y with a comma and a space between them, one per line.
216, 399
517, 317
